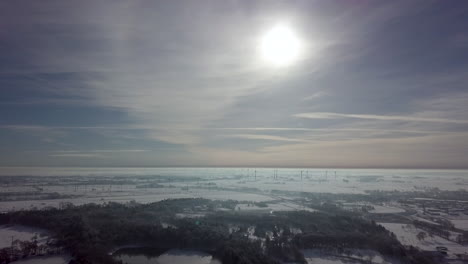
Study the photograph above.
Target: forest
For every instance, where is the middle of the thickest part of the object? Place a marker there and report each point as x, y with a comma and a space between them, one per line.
89, 232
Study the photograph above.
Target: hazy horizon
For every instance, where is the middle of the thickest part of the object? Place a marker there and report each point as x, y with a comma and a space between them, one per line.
245, 167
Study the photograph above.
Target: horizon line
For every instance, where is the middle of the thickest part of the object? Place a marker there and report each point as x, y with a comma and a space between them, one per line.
249, 167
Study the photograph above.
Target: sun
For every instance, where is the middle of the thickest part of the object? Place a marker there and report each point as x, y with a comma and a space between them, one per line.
280, 46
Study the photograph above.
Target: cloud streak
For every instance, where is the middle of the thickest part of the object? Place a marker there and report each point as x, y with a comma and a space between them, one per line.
327, 115
76, 155
265, 137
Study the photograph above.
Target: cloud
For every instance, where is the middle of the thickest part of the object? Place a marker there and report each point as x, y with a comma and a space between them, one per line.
264, 137
410, 152
326, 115
356, 128
314, 96
189, 75
76, 155
102, 151
96, 153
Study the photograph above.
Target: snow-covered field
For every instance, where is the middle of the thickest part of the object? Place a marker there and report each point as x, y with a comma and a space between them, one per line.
314, 256
407, 235
332, 180
424, 220
271, 207
144, 185
328, 260
460, 224
140, 196
59, 259
9, 233
81, 185
170, 257
379, 209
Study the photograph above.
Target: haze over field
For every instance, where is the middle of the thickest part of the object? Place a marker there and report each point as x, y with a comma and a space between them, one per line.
234, 83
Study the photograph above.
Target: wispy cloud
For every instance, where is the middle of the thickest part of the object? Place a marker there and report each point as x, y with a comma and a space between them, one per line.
94, 153
265, 137
314, 96
374, 74
26, 127
76, 155
354, 128
101, 151
327, 115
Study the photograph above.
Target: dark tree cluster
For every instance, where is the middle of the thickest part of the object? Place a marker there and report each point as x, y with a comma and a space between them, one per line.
434, 229
90, 232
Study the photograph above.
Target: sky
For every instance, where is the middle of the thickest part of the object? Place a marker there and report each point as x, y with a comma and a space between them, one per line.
377, 84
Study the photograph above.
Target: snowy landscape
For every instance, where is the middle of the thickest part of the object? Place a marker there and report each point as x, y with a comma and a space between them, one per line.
234, 132
408, 203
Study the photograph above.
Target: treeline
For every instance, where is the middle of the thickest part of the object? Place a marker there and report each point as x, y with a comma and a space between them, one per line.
433, 229
463, 238
90, 231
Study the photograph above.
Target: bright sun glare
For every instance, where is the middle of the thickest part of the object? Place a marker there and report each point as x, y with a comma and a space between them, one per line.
280, 46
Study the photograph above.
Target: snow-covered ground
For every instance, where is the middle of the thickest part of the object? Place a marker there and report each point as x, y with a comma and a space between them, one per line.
407, 235
272, 207
332, 180
460, 224
140, 196
379, 209
59, 259
419, 218
81, 185
173, 256
9, 233
314, 256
